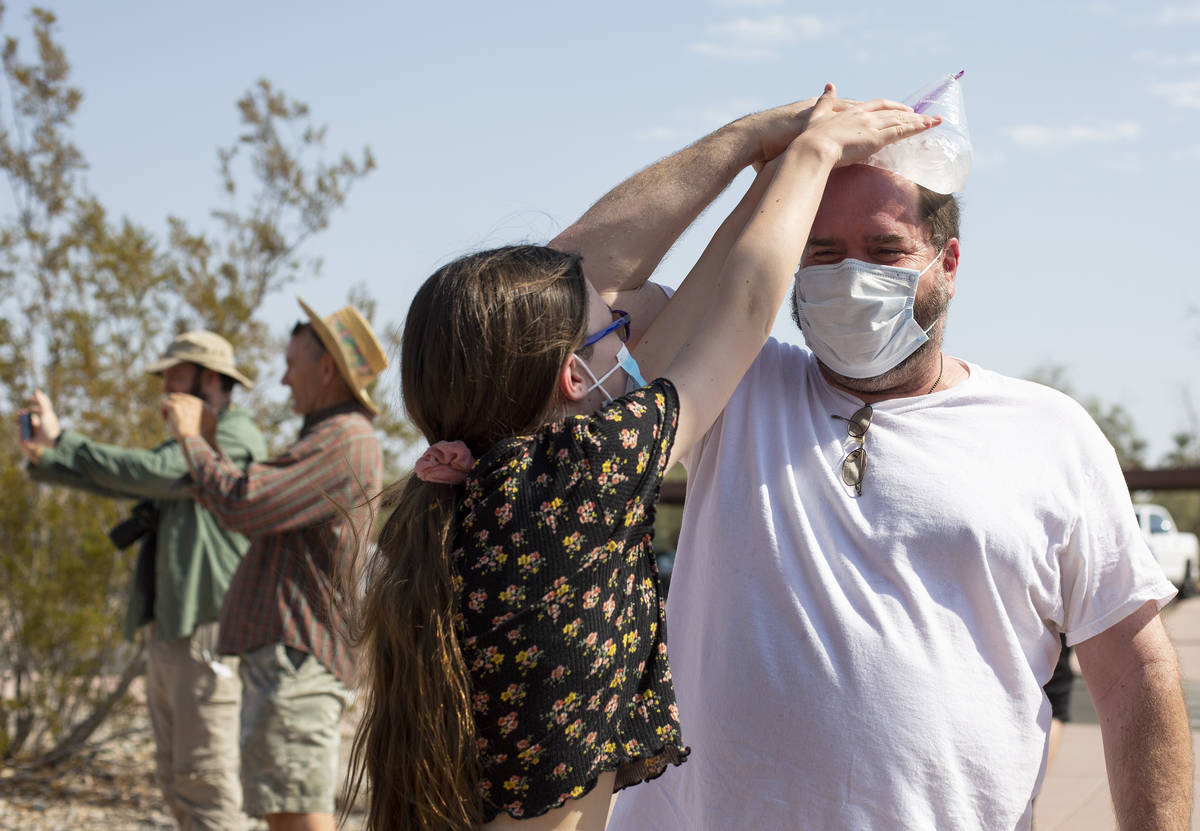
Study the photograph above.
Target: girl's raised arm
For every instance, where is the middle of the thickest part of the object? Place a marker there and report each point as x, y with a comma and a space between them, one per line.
715, 343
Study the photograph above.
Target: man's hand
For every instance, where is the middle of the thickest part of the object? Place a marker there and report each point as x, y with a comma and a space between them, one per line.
625, 235
774, 129
45, 426
31, 448
185, 415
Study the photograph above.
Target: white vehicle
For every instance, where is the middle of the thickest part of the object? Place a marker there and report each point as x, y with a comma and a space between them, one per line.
1178, 552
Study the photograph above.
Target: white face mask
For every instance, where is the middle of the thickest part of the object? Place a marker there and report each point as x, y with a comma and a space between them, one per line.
626, 362
857, 317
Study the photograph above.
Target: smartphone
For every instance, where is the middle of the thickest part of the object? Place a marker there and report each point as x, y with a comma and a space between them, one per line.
26, 426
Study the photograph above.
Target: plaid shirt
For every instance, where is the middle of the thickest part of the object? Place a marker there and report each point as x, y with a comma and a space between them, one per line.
294, 510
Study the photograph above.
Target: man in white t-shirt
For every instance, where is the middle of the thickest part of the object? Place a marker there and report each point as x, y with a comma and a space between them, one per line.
882, 542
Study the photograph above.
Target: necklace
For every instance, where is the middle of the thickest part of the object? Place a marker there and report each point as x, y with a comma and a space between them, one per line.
941, 369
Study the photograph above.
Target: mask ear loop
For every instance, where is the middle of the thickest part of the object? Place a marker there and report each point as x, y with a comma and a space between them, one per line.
597, 382
936, 257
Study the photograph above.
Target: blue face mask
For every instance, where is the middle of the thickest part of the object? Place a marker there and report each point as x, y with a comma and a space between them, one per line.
626, 362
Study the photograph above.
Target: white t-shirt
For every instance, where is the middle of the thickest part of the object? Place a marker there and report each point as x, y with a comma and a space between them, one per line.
848, 662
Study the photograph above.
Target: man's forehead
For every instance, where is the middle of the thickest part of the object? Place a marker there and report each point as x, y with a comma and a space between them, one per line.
866, 204
885, 238
302, 346
181, 368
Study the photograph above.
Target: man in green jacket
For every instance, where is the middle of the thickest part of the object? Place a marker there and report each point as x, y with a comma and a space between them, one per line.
184, 568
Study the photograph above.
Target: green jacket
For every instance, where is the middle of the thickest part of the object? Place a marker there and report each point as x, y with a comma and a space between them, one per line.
195, 558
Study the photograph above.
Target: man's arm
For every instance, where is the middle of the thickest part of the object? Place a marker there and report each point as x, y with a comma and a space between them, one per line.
121, 471
115, 471
679, 320
45, 472
315, 480
65, 457
1132, 674
625, 235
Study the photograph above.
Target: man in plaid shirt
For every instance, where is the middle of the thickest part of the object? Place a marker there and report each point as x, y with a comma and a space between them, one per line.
305, 512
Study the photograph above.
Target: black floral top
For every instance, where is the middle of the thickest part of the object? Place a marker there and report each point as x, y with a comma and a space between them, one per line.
561, 619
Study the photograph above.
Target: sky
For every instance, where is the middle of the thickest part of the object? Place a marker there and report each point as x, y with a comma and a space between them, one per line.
494, 123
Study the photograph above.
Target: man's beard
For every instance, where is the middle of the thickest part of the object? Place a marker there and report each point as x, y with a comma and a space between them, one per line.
197, 388
929, 312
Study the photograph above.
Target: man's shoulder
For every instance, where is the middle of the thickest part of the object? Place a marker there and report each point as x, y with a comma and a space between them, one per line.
1049, 413
759, 409
781, 354
1024, 392
235, 426
356, 424
779, 369
239, 420
336, 432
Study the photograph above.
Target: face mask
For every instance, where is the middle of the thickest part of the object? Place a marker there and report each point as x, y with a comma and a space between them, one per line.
857, 317
626, 362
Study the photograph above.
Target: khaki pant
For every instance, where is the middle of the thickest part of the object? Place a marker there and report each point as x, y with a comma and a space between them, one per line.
291, 706
194, 699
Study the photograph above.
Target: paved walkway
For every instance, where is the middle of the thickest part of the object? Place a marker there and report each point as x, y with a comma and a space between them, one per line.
1075, 795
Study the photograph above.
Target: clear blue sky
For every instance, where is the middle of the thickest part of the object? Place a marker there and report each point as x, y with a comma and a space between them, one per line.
498, 122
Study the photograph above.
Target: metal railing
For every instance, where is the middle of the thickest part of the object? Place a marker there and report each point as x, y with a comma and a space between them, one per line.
1164, 479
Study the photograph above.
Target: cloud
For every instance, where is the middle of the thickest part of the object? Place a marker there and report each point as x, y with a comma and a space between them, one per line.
1187, 59
733, 52
1170, 15
699, 122
758, 39
1179, 94
1039, 136
985, 159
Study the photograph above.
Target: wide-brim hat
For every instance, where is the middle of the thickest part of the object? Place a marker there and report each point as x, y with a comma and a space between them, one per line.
207, 349
352, 344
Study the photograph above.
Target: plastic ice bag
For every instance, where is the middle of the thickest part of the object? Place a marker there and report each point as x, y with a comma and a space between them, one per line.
940, 158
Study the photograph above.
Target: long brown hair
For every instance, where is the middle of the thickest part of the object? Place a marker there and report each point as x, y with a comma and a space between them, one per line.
483, 343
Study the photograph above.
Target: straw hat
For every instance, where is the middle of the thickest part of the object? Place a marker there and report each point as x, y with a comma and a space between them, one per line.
352, 344
207, 349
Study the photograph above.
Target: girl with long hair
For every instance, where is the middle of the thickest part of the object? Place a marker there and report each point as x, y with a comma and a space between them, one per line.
512, 628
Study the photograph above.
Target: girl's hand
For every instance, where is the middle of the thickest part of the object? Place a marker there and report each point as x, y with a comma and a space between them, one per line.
854, 133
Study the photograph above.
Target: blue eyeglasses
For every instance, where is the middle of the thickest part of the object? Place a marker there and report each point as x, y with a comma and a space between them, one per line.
620, 325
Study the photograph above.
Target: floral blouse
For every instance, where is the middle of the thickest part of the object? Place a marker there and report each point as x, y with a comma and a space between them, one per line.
561, 621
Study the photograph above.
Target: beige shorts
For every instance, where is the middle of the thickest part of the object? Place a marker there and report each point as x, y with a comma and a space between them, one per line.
291, 705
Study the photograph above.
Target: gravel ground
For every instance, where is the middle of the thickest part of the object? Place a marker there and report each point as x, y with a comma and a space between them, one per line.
115, 789
111, 788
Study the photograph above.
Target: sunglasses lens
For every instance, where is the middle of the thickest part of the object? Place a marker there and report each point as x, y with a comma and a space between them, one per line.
854, 467
860, 421
622, 317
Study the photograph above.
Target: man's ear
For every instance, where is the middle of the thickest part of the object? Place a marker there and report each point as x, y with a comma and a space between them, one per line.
573, 380
329, 370
950, 258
